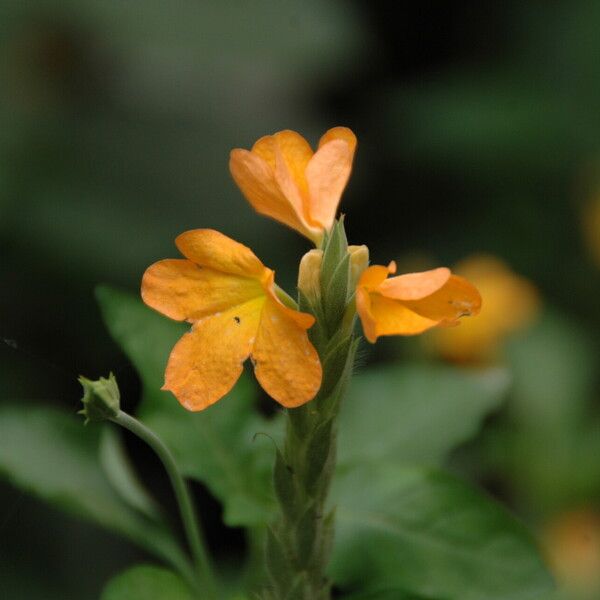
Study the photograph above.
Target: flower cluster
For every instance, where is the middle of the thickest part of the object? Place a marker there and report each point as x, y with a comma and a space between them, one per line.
238, 312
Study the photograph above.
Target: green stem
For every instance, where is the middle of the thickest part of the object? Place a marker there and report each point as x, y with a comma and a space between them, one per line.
298, 544
188, 516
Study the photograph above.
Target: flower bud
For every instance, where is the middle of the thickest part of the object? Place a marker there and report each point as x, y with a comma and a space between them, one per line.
101, 398
309, 273
359, 261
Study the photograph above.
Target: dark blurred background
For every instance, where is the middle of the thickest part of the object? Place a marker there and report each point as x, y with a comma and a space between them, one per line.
479, 132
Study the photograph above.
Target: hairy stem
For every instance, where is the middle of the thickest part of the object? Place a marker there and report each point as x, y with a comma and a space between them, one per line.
299, 543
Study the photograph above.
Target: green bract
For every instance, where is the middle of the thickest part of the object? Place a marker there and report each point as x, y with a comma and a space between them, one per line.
101, 398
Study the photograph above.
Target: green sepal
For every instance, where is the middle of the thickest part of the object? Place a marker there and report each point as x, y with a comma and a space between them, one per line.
101, 398
316, 333
306, 535
300, 421
284, 485
278, 564
334, 388
334, 250
335, 272
327, 533
335, 294
317, 453
300, 589
334, 362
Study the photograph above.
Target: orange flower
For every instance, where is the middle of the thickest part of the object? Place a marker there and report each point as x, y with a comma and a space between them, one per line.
231, 299
572, 545
412, 303
283, 179
511, 303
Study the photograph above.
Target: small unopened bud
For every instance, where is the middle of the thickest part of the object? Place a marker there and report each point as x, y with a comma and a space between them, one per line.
359, 261
101, 398
310, 272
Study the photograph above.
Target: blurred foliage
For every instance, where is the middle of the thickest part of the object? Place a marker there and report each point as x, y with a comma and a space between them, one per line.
407, 512
421, 413
50, 455
145, 582
425, 532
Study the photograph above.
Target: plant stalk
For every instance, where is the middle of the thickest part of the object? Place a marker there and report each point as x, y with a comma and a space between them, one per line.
298, 545
193, 532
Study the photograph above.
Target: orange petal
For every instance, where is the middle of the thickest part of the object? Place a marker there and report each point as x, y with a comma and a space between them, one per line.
265, 148
327, 174
296, 154
288, 153
363, 308
392, 317
339, 133
414, 286
286, 364
455, 299
256, 179
181, 290
304, 320
206, 363
294, 148
209, 248
372, 277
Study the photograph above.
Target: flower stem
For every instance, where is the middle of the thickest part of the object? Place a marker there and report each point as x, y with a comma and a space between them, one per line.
191, 526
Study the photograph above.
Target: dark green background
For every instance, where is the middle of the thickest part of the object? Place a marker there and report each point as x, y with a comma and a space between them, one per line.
478, 128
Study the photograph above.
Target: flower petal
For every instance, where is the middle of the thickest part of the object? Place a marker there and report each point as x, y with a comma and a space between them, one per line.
181, 290
392, 317
265, 148
205, 364
288, 153
286, 364
367, 319
256, 179
304, 320
457, 298
327, 174
414, 286
294, 148
339, 133
372, 277
212, 249
292, 184
296, 153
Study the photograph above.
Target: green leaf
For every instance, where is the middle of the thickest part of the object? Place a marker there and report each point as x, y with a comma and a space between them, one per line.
549, 447
554, 374
424, 532
121, 474
53, 456
380, 594
145, 336
414, 414
145, 582
214, 446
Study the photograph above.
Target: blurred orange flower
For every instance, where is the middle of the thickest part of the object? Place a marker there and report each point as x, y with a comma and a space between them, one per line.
591, 227
572, 545
283, 179
412, 303
231, 299
510, 303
